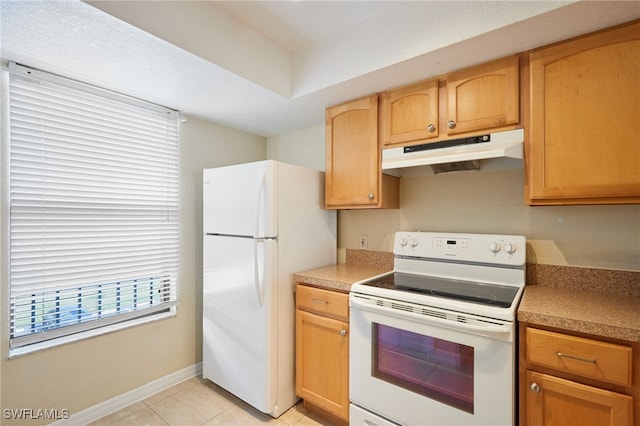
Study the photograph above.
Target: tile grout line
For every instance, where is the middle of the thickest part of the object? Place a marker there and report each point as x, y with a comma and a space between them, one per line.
156, 413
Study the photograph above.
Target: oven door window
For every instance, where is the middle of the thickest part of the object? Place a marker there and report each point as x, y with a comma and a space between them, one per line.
435, 368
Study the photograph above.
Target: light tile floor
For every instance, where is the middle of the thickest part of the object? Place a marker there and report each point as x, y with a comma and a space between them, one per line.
200, 402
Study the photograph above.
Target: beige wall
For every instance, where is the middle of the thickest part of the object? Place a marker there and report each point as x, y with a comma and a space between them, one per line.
79, 375
493, 202
303, 147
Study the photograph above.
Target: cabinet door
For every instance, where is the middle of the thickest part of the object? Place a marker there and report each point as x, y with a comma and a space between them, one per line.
322, 362
585, 120
352, 154
410, 113
483, 97
552, 401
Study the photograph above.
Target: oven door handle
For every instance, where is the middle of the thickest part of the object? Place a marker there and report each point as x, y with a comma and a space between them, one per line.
424, 318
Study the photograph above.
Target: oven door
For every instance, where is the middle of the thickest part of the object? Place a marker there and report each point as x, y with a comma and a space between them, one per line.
418, 365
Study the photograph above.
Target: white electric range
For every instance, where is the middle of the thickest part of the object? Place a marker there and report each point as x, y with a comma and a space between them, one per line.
433, 342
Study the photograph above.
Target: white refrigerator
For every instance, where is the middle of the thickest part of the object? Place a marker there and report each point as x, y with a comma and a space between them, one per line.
262, 222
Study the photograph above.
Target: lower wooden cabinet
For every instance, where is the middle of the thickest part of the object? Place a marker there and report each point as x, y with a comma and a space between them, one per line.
552, 401
322, 349
568, 379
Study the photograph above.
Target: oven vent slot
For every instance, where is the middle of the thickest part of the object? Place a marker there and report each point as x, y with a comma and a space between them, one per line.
401, 307
432, 313
443, 315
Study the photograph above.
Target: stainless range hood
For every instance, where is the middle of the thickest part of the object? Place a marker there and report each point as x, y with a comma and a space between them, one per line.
456, 154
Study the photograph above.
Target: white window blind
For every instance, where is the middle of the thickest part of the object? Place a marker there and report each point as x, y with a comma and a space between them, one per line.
93, 207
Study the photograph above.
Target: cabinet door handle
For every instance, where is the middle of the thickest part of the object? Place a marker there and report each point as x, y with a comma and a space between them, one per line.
343, 332
535, 387
318, 301
577, 358
451, 124
371, 195
431, 128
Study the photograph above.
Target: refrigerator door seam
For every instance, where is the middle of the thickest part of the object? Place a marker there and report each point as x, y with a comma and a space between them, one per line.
250, 237
213, 234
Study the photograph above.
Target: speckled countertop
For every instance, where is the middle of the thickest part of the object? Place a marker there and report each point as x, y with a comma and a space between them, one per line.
338, 277
599, 302
360, 265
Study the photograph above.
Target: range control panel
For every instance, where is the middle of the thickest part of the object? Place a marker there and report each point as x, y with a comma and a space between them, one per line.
483, 248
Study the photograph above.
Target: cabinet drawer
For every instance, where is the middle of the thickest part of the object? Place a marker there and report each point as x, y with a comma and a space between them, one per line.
323, 302
585, 357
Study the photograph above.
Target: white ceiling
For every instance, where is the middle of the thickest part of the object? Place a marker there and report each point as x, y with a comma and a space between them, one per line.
271, 67
295, 25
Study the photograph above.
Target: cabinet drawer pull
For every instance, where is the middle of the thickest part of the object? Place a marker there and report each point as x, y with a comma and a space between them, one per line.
577, 358
321, 302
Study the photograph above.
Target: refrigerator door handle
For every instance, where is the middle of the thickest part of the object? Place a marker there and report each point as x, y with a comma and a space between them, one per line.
256, 232
256, 271
256, 240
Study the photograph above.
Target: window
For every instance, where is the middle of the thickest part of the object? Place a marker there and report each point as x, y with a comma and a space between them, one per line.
93, 207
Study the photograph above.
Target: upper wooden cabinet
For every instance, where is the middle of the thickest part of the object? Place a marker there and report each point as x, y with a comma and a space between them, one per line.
483, 97
584, 130
476, 99
410, 113
353, 177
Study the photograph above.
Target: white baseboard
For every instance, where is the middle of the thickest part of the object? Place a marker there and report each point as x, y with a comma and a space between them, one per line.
121, 401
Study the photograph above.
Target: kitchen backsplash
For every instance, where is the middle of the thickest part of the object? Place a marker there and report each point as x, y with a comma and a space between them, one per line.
626, 283
382, 259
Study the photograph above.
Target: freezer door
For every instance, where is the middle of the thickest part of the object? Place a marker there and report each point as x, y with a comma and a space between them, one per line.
240, 199
239, 322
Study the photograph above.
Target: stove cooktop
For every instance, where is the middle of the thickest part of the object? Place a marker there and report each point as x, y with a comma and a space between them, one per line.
468, 291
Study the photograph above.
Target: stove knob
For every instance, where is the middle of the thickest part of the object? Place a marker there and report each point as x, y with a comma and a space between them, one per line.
510, 248
413, 241
403, 242
495, 247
